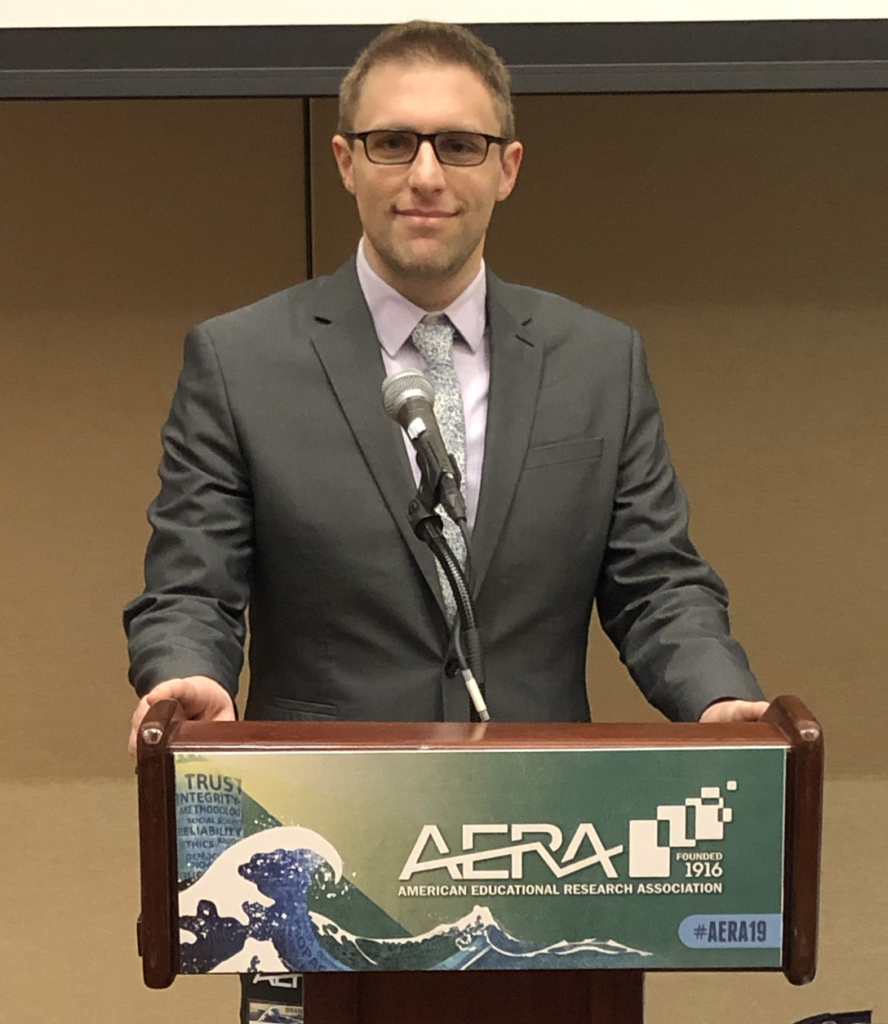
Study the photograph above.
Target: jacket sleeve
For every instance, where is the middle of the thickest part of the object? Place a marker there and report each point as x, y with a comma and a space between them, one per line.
190, 618
660, 603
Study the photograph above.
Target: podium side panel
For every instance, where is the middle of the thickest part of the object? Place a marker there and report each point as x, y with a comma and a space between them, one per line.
158, 927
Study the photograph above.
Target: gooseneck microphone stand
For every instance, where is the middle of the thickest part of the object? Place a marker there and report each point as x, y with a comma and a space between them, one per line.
408, 398
466, 637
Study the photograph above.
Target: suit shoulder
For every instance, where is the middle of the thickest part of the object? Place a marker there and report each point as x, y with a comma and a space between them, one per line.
265, 318
551, 310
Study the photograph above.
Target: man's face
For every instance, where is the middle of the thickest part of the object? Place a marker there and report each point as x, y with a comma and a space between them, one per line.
425, 223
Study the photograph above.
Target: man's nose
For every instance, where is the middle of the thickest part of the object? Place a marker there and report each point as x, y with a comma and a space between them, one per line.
426, 170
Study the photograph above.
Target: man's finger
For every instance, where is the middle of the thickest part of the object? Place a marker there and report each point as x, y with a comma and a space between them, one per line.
727, 711
753, 710
201, 698
174, 689
138, 715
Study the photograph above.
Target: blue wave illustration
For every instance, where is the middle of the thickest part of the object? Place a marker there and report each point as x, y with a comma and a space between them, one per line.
250, 912
275, 1016
474, 942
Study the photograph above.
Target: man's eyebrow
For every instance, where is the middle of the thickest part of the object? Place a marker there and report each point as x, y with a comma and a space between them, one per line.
437, 131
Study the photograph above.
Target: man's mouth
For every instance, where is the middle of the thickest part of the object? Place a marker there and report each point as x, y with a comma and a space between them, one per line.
425, 215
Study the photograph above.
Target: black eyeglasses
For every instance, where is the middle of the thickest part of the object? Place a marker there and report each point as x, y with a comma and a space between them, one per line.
396, 146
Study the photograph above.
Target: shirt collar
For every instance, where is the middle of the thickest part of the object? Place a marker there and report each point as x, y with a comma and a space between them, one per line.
395, 317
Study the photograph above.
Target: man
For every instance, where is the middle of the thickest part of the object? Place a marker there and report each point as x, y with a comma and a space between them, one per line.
284, 485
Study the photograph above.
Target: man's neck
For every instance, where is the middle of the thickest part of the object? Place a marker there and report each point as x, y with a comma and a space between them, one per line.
395, 316
432, 295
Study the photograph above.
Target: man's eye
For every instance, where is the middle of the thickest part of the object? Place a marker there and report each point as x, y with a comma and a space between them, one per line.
460, 145
392, 143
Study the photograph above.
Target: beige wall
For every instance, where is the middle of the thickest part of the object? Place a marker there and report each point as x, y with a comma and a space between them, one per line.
121, 224
744, 234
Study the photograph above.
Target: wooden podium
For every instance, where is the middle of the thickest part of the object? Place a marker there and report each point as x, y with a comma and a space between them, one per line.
678, 883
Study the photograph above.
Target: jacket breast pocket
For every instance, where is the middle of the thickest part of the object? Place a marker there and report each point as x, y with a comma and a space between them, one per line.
580, 448
286, 709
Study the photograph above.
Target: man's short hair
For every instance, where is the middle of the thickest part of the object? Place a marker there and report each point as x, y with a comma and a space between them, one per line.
430, 42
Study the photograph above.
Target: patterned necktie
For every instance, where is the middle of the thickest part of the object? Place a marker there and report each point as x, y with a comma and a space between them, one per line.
433, 338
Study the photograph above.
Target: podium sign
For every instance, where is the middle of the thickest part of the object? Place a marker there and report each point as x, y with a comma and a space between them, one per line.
358, 851
363, 860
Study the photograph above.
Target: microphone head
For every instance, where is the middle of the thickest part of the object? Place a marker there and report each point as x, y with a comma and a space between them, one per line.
400, 387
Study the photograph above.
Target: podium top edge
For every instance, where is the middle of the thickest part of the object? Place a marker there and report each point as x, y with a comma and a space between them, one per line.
205, 736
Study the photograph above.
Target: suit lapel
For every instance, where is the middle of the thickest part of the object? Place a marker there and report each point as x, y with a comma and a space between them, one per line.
345, 340
516, 360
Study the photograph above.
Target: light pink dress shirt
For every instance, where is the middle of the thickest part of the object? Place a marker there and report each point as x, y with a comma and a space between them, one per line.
395, 317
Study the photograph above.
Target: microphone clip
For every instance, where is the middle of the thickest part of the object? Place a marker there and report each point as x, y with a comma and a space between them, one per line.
422, 516
437, 487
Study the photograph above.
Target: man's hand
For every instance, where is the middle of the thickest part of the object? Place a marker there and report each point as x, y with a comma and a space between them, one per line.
727, 711
201, 698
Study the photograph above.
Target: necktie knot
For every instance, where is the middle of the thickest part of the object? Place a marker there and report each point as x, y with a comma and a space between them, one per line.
433, 337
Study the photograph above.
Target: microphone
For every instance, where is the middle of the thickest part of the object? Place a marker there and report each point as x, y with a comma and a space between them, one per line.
408, 397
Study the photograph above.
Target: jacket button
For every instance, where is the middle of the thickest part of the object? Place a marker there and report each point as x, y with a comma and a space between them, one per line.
452, 667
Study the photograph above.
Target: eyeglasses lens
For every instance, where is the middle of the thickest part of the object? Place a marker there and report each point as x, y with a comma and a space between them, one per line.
460, 149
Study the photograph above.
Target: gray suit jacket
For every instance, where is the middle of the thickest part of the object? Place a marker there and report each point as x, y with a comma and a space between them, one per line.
285, 486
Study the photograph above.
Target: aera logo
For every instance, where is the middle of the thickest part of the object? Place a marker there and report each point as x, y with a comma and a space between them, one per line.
651, 842
465, 865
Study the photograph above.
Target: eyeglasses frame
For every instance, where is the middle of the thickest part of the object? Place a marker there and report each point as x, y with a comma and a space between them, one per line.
421, 137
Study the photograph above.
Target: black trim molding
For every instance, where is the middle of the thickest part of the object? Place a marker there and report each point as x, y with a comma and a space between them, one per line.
544, 58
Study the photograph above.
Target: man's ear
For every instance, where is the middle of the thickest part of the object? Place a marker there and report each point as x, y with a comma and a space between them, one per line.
511, 162
344, 161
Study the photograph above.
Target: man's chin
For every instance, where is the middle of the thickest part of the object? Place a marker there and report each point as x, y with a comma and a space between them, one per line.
428, 265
